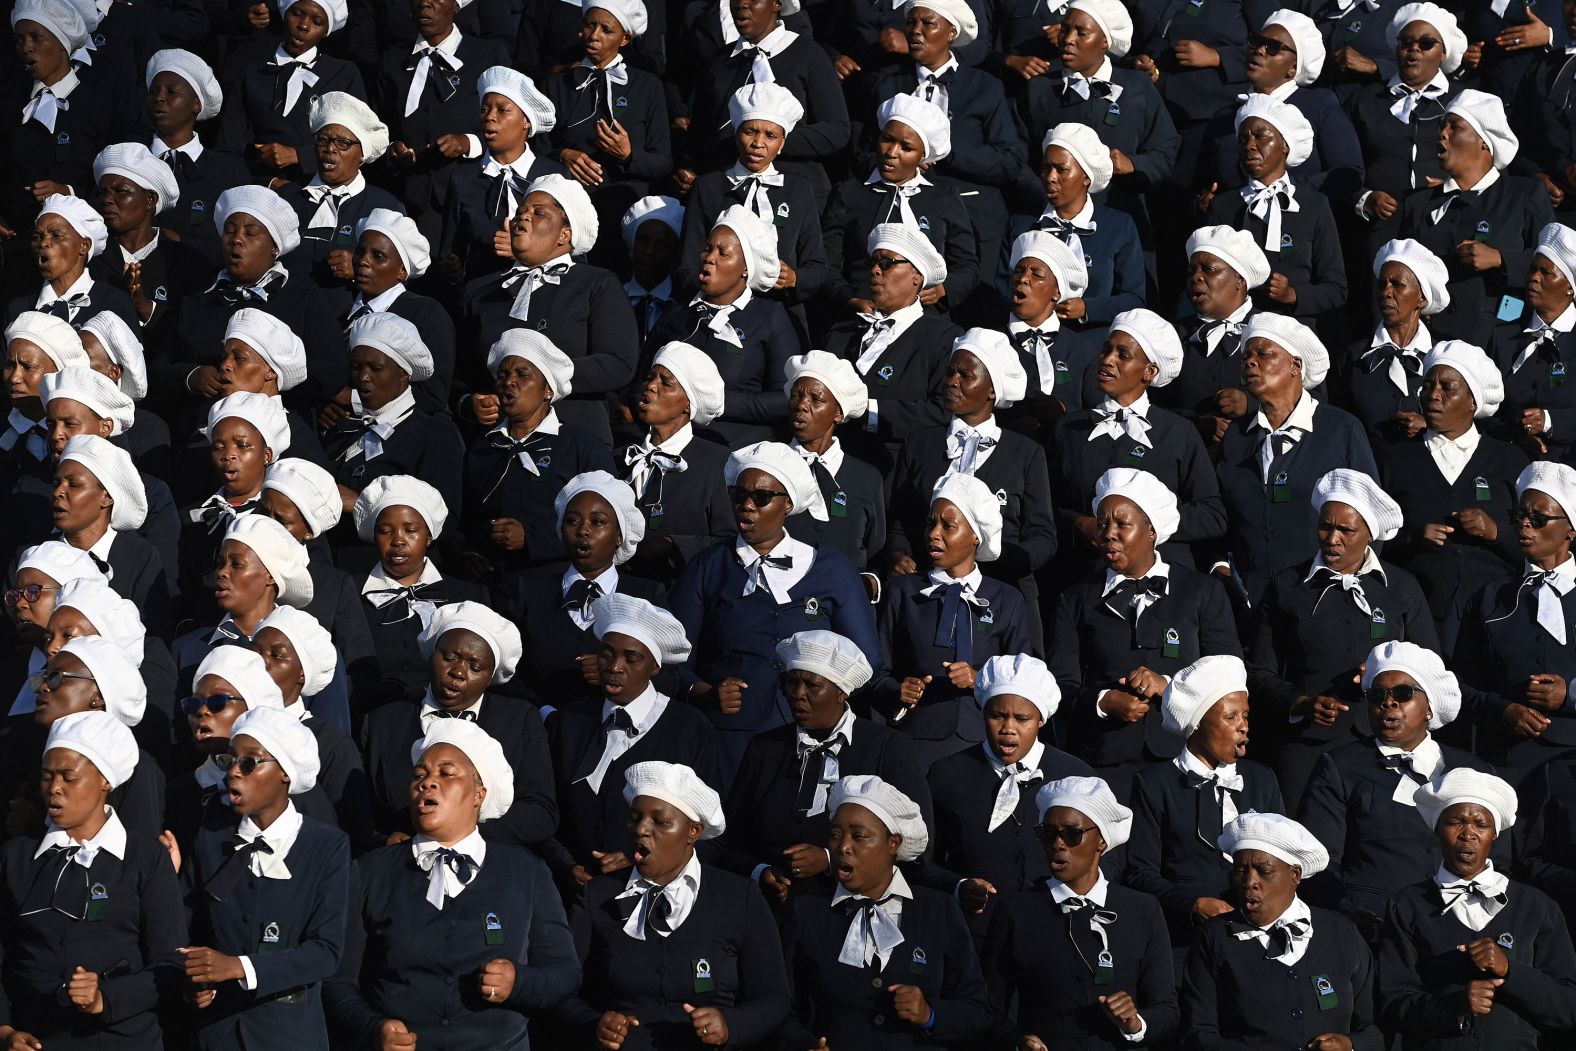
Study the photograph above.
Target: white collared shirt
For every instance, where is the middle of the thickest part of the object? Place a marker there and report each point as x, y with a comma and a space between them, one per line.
326, 215
1297, 911
674, 445
643, 712
1474, 909
1451, 455
1428, 759
1451, 186
550, 425
681, 893
381, 302
1134, 423
832, 459
111, 838
1225, 776
902, 318
472, 846
1562, 324
1080, 82
1143, 599
378, 580
940, 578
47, 296
1237, 317
1298, 425
1061, 892
607, 580
390, 416
141, 254
430, 709
969, 447
830, 772
1417, 347
928, 86
874, 942
777, 582
192, 148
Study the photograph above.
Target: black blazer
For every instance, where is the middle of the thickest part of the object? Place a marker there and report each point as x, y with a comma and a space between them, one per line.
252, 117
195, 215
1540, 383
170, 273
691, 507
436, 326
1135, 122
641, 109
854, 208
468, 225
318, 241
1192, 393
796, 218
401, 672
422, 445
1309, 254
905, 383
102, 297
856, 521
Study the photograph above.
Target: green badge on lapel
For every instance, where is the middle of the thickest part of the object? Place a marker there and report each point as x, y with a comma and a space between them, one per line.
1135, 456
885, 373
703, 979
494, 934
1557, 374
987, 617
63, 146
1113, 115
1172, 648
98, 903
1322, 985
839, 508
1506, 943
1378, 627
916, 963
812, 608
783, 214
1482, 231
1480, 490
654, 516
1104, 968
1280, 489
269, 942
198, 214
1063, 374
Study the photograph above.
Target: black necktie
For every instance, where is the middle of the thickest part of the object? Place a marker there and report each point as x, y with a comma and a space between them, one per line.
619, 720
440, 75
498, 194
642, 305
1281, 938
812, 772
658, 911
236, 866
1062, 228
355, 315
582, 593
61, 308
825, 482
182, 165
444, 713
955, 628
282, 82
740, 194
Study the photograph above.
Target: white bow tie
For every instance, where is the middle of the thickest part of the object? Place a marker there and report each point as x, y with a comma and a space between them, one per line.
1013, 778
1475, 901
1265, 202
44, 107
531, 278
1406, 100
872, 933
1118, 421
301, 77
964, 445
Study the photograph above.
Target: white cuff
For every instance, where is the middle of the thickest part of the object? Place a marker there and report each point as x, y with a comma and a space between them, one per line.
872, 416
1133, 1038
1222, 564
1101, 713
250, 981
877, 580
473, 147
1548, 422
957, 891
1362, 199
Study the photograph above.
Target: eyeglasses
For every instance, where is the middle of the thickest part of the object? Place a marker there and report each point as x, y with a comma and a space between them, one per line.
1422, 43
244, 763
32, 592
50, 681
216, 703
1070, 836
1537, 519
759, 497
1270, 47
887, 262
341, 144
1403, 693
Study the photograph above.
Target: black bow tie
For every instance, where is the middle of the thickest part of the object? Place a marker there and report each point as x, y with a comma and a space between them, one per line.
53, 890
439, 73
445, 713
1209, 326
61, 308
581, 595
619, 719
463, 865
1404, 764
1381, 356
355, 315
1063, 228
1098, 89
1126, 591
235, 867
235, 293
409, 594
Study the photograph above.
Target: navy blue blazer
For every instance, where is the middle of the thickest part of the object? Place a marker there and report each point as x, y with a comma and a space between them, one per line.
641, 109
201, 182
1135, 122
690, 507
855, 208
796, 218
1540, 383
1113, 257
1194, 95
1335, 167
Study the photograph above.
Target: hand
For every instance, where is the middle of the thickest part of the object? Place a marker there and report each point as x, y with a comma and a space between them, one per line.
1534, 34
1436, 533
452, 268
203, 381
612, 1029
347, 499
496, 980
258, 16
1072, 309
683, 179
975, 894
1534, 421
485, 409
585, 170
1217, 431
902, 564
1280, 290
1032, 1043
276, 154
1330, 1042
710, 1026
1523, 721
588, 669
508, 533
1119, 1008
1327, 710
501, 247
1350, 60
396, 838
331, 414
1146, 683
911, 690
1145, 64
202, 999
22, 817
893, 42
611, 860
341, 264
1053, 34
820, 1045
84, 991
845, 67
806, 861
1232, 402
1123, 705
1209, 908
1087, 529
171, 847
910, 1004
614, 140
1380, 205
1487, 957
860, 306
1556, 195
393, 1036
1191, 54
1410, 424
143, 304
960, 674
581, 874
1546, 691
1473, 56
932, 295
205, 966
775, 884
1121, 163
1480, 994
787, 276
453, 146
1202, 202
1478, 257
1027, 66
17, 1040
401, 153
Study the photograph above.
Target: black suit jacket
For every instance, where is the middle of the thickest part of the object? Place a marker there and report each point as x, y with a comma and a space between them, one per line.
904, 382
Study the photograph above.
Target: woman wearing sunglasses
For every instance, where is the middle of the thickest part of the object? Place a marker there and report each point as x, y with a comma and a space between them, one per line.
1534, 351
1514, 645
94, 910
41, 571
1180, 807
1361, 801
738, 601
271, 895
1088, 957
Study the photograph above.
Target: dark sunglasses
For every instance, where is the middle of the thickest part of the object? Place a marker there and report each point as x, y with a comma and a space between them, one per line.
31, 592
1270, 47
244, 763
343, 145
1422, 43
50, 681
887, 262
759, 497
1070, 836
216, 704
1403, 694
1537, 519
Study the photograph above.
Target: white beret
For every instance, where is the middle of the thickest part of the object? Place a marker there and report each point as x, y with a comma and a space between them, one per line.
395, 337
311, 488
631, 14
1476, 368
1152, 496
1486, 114
1278, 836
1092, 155
245, 671
651, 626
693, 369
63, 20
287, 739
356, 117
1455, 41
268, 208
839, 376
115, 618
55, 337
1294, 338
619, 496
266, 415
124, 348
98, 737
280, 553
1021, 676
136, 162
928, 120
81, 216
1426, 668
554, 365
113, 468
577, 207
1238, 249
114, 673
1092, 798
769, 102
502, 637
1426, 267
1343, 485
1462, 784
273, 341
958, 12
1067, 266
1555, 480
93, 389
758, 239
336, 10
1000, 358
399, 490
665, 210
1156, 337
682, 787
1114, 21
313, 645
1557, 243
60, 562
520, 90
486, 755
1306, 38
829, 655
978, 506
1195, 689
904, 240
892, 808
1286, 119
785, 465
195, 72
401, 230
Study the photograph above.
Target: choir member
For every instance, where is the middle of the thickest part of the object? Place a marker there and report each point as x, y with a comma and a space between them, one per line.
651, 229
390, 253
67, 236
1045, 274
37, 345
1533, 348
1224, 267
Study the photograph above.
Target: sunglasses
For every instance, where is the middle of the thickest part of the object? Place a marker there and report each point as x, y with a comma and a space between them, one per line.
50, 681
1422, 43
244, 763
759, 497
887, 262
215, 704
1537, 519
339, 143
32, 592
1270, 47
1070, 836
1403, 693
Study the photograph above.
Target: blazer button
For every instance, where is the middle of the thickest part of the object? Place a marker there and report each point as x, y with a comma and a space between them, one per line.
875, 983
1297, 1013
880, 1019
1291, 973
